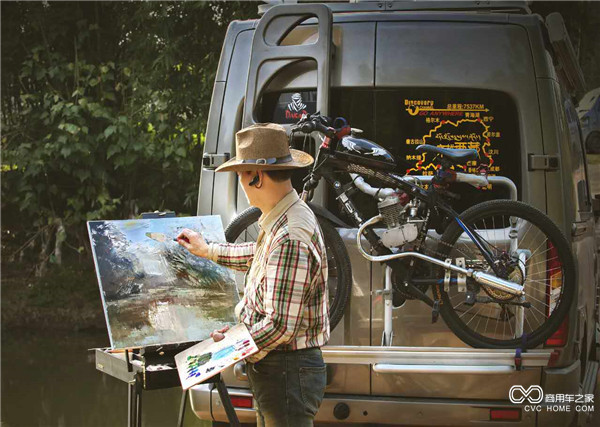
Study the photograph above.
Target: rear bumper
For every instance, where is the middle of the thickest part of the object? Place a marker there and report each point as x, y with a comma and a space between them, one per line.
206, 405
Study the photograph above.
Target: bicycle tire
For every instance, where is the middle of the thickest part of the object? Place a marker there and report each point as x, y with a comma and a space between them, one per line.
563, 251
335, 248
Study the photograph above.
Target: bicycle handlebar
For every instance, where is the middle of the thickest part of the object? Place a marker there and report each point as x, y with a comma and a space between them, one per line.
313, 123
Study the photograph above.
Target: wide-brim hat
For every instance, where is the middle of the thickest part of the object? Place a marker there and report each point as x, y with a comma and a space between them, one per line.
264, 146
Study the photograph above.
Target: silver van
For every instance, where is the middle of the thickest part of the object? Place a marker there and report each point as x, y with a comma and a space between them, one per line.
401, 71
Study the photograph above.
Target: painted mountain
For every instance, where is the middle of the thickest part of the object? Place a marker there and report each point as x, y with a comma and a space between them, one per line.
153, 290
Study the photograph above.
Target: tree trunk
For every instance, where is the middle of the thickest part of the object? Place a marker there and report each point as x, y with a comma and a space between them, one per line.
42, 267
61, 235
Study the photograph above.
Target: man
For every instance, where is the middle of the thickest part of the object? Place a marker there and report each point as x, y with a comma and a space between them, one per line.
285, 302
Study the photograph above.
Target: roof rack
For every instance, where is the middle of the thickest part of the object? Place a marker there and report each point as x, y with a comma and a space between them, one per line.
521, 7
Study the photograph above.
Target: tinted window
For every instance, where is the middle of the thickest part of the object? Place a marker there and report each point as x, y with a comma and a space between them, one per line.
402, 118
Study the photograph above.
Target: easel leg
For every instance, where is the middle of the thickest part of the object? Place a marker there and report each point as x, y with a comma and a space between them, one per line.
224, 395
134, 403
184, 397
131, 404
138, 416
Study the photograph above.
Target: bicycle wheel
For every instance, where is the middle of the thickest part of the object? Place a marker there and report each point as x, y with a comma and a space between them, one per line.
244, 228
530, 250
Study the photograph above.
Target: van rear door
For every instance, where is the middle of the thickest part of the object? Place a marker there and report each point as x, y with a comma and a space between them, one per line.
465, 81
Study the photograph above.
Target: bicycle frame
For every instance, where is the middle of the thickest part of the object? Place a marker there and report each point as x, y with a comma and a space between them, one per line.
326, 165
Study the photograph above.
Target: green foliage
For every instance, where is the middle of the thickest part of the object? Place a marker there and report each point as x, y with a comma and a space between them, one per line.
104, 106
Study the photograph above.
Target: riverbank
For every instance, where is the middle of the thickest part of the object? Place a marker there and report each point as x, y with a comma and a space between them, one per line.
67, 298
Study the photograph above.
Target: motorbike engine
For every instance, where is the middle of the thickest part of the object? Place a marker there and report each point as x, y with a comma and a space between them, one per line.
399, 214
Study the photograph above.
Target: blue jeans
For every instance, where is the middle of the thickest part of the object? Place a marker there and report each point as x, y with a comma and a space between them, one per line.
288, 387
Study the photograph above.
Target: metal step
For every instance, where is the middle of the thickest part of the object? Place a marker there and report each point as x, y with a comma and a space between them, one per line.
458, 360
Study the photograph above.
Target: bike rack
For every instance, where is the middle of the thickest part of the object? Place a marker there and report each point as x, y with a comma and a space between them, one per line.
388, 332
443, 360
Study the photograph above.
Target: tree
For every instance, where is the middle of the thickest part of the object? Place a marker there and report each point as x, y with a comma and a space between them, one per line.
104, 106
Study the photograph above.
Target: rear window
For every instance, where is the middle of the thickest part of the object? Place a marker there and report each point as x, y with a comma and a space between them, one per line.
400, 119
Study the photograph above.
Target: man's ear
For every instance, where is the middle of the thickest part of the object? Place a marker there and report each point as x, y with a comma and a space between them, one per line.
261, 176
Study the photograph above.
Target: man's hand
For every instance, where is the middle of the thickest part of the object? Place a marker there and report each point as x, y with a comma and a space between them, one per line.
217, 334
193, 242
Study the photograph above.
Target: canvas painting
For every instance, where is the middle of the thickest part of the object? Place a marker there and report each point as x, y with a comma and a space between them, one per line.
208, 358
153, 290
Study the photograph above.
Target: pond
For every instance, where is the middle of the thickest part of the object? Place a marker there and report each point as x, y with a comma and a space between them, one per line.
49, 379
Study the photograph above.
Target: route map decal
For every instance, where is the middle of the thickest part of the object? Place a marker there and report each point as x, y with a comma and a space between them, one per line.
458, 118
459, 126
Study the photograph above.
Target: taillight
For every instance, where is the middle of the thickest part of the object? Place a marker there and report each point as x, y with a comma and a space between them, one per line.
241, 401
553, 278
505, 414
559, 338
554, 283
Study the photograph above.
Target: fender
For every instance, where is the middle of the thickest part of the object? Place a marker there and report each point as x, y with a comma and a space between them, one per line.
324, 213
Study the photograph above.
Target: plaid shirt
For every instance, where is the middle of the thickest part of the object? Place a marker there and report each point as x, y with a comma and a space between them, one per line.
286, 300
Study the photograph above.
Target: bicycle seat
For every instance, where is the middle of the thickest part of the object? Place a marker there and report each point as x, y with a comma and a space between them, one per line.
455, 155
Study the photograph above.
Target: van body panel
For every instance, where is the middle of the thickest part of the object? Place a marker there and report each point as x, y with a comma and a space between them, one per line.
226, 182
235, 27
210, 146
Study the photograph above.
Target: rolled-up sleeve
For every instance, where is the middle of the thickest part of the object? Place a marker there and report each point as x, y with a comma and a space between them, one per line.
232, 255
287, 284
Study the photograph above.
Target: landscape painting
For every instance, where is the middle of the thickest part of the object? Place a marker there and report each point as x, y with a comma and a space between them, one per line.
153, 290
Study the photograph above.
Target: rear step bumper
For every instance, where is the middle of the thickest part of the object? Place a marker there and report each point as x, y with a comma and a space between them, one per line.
374, 409
206, 403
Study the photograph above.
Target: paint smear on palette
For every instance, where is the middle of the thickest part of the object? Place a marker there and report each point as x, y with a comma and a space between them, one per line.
153, 290
203, 360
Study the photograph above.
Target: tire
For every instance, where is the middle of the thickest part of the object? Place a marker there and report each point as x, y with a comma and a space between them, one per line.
592, 144
493, 211
340, 272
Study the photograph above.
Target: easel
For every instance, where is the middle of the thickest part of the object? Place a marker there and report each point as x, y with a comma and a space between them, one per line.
135, 367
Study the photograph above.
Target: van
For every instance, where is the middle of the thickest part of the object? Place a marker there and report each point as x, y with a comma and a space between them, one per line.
397, 70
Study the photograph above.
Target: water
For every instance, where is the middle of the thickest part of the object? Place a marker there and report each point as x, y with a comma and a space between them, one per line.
49, 379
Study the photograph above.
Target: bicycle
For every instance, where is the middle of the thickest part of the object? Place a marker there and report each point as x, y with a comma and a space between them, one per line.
502, 263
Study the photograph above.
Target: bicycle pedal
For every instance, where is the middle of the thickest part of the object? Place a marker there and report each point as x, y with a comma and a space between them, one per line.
435, 312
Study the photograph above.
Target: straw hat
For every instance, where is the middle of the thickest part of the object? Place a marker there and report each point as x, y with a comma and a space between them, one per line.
264, 146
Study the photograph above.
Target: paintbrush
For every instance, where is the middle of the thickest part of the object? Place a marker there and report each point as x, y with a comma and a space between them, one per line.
161, 237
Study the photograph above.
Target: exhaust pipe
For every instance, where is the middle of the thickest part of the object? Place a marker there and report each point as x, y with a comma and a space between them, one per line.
479, 276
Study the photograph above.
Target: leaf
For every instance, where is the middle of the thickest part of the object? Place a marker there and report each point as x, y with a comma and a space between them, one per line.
65, 151
82, 174
109, 131
112, 150
110, 96
70, 127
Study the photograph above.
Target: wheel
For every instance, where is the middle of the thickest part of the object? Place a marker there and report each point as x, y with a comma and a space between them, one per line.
593, 143
529, 249
244, 228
